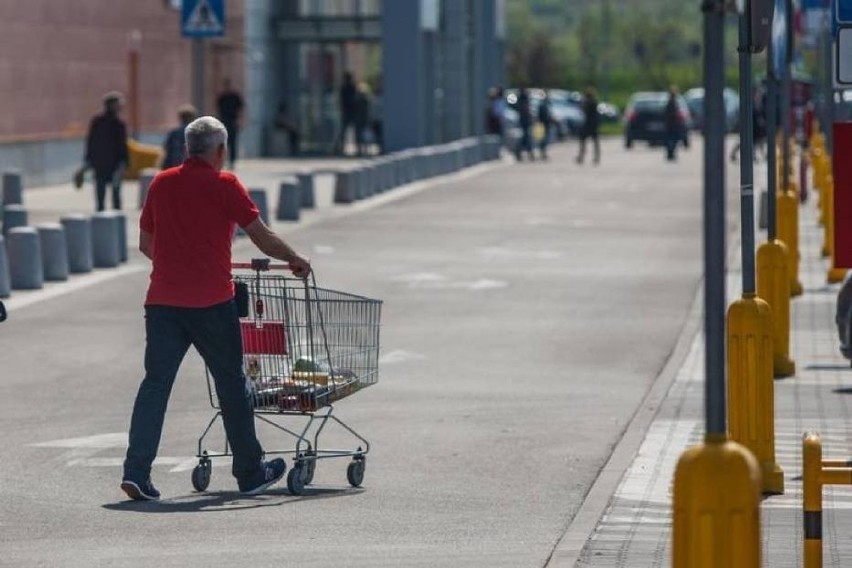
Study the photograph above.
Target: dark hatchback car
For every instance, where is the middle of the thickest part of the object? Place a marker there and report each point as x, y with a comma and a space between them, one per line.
645, 119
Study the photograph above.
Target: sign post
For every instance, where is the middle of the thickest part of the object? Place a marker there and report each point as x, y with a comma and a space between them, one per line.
201, 19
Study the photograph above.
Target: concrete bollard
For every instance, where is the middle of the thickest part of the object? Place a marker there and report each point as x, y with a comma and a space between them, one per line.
13, 216
54, 251
25, 269
13, 187
360, 183
289, 200
345, 186
146, 176
368, 181
122, 235
78, 237
306, 185
105, 253
5, 285
258, 195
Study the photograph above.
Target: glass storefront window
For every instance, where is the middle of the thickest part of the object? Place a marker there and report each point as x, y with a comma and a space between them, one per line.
339, 8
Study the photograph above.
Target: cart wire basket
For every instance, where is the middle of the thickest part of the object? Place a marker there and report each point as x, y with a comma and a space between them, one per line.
304, 348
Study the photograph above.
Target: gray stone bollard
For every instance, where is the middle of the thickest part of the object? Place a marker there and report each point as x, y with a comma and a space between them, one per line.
122, 235
54, 251
345, 186
368, 181
13, 216
258, 195
5, 285
13, 187
25, 269
306, 184
289, 200
105, 253
78, 237
146, 176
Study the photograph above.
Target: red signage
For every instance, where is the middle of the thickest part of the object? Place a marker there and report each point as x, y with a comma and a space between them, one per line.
842, 167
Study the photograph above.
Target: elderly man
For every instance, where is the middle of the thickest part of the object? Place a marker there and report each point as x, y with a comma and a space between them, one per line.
186, 228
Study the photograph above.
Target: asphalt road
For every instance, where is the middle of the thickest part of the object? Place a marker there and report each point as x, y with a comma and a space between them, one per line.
527, 311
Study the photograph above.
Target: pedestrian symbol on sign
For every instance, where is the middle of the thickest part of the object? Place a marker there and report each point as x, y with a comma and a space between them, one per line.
203, 18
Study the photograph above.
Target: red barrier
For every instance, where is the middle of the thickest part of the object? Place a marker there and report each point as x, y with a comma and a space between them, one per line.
842, 167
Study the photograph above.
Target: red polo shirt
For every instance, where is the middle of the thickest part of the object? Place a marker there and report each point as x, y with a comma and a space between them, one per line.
191, 211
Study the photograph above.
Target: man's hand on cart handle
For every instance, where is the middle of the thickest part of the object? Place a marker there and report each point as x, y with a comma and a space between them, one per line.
301, 267
272, 245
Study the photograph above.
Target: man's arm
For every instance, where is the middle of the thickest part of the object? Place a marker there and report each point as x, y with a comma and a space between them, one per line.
146, 244
271, 244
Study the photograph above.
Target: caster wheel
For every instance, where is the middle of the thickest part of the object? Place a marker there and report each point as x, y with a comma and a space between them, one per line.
355, 472
296, 479
201, 476
310, 467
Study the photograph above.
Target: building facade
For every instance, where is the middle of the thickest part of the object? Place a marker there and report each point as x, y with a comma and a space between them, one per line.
426, 63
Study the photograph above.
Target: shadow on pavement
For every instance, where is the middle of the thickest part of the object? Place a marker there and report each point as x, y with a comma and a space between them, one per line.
827, 368
216, 501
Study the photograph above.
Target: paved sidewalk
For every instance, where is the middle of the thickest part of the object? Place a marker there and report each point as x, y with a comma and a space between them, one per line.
635, 530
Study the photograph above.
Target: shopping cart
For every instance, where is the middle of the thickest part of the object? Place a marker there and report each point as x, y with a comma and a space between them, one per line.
304, 348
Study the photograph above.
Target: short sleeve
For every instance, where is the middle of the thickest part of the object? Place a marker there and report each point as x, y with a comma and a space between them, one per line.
239, 206
146, 220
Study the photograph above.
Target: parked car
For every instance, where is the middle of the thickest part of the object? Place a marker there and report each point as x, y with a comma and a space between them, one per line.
567, 109
645, 120
695, 102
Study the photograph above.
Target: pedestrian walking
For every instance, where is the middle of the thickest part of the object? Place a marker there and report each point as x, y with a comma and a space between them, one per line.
545, 118
591, 126
348, 94
525, 122
674, 124
106, 151
186, 230
362, 118
285, 123
230, 106
758, 129
174, 149
377, 113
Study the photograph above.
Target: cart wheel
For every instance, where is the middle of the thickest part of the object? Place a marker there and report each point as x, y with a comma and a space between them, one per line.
201, 475
355, 472
310, 467
296, 479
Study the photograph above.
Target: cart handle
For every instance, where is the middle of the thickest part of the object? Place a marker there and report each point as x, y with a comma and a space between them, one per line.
259, 265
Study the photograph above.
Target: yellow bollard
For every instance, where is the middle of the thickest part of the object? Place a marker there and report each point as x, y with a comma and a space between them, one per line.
773, 285
812, 489
835, 275
716, 507
751, 390
787, 223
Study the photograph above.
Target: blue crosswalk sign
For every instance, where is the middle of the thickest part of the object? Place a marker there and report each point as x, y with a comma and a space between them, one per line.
844, 11
202, 18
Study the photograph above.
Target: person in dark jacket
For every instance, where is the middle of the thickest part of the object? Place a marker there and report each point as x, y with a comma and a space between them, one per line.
348, 96
106, 151
674, 125
230, 106
525, 121
362, 118
545, 117
591, 125
174, 147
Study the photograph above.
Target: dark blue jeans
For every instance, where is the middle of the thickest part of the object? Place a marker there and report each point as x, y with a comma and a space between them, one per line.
102, 179
215, 333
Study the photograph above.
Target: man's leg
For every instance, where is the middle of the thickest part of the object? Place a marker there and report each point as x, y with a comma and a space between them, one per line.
116, 195
215, 332
596, 139
165, 348
101, 181
582, 155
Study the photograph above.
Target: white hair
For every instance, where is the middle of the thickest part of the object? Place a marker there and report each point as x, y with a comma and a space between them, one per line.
203, 135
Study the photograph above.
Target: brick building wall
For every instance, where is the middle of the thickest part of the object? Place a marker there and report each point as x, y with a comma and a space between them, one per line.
58, 57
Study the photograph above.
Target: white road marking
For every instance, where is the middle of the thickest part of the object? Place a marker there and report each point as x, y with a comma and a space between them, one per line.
500, 252
76, 283
400, 356
432, 281
323, 249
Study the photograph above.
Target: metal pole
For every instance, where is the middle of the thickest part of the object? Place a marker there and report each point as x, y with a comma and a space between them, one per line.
746, 158
714, 216
829, 91
786, 122
771, 149
198, 75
